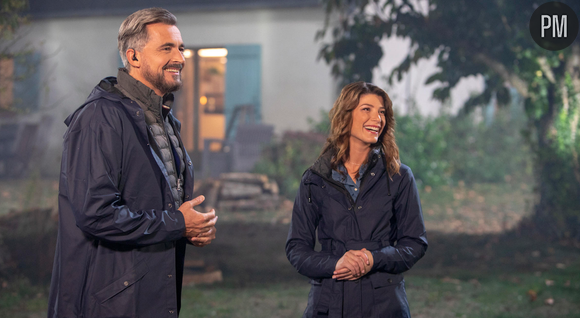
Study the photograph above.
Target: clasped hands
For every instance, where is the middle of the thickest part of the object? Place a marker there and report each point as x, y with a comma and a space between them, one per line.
353, 265
199, 227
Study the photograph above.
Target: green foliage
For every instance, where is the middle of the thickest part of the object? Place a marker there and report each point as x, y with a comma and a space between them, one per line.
423, 147
568, 134
440, 150
11, 16
494, 152
480, 37
446, 149
286, 160
11, 19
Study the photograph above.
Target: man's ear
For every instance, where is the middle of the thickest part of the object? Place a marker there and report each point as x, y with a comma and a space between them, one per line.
133, 58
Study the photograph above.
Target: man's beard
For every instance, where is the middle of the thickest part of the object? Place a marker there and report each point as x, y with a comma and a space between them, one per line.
159, 82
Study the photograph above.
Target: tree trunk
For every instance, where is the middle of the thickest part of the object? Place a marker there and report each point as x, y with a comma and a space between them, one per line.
557, 212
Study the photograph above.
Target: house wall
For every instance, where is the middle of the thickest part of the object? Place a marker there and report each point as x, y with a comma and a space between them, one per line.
79, 52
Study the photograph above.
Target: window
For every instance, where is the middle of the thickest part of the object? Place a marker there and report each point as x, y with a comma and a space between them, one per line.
221, 88
20, 82
200, 104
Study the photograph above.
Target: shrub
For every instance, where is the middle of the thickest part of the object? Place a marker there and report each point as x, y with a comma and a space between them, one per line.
423, 147
286, 160
440, 150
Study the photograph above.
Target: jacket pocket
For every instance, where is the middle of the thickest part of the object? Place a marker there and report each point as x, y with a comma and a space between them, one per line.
118, 298
382, 279
317, 304
389, 296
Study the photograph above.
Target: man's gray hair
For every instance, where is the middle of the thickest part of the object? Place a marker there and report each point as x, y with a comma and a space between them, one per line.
133, 31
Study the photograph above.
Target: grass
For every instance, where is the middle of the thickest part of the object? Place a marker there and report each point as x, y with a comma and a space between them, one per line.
479, 263
267, 301
497, 295
488, 295
20, 299
476, 209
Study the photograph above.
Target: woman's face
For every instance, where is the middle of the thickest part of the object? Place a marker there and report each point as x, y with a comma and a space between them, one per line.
368, 120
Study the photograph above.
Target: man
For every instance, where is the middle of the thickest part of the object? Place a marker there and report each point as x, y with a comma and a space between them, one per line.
125, 198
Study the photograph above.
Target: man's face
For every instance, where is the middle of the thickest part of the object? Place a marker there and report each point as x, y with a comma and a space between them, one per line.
162, 59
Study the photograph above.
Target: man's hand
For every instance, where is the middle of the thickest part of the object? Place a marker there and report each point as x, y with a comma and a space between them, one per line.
199, 227
353, 265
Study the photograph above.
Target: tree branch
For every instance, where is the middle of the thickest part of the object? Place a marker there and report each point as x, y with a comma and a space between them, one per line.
543, 62
520, 85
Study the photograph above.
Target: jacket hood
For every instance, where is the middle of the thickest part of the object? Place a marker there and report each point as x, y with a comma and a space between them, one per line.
106, 89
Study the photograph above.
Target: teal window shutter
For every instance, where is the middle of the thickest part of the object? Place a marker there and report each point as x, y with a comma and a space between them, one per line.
26, 89
243, 82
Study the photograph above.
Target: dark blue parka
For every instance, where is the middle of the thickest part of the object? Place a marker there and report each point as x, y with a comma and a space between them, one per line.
120, 249
385, 219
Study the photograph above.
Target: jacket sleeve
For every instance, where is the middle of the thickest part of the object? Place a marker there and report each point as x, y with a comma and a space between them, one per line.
91, 169
301, 239
408, 231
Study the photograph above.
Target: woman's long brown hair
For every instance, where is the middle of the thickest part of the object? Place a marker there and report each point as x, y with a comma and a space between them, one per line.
341, 121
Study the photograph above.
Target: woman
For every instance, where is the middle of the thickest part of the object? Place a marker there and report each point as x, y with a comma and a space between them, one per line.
365, 206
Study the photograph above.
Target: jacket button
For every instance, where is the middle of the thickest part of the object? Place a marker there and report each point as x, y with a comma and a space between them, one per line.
187, 196
372, 174
390, 280
138, 113
171, 311
360, 207
379, 156
169, 275
170, 205
189, 162
323, 186
126, 283
349, 208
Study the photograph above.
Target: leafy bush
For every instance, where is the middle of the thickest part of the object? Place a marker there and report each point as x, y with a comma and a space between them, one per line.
440, 150
423, 146
446, 149
489, 153
286, 160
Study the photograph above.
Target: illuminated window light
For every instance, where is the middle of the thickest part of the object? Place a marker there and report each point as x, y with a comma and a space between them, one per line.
212, 52
187, 53
203, 100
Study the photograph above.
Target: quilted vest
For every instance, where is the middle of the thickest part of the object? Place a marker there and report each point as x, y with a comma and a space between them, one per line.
162, 135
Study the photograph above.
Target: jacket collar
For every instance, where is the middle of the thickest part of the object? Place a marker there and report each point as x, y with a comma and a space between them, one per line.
143, 95
322, 166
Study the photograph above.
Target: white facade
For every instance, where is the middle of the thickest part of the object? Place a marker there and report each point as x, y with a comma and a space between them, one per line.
295, 85
80, 52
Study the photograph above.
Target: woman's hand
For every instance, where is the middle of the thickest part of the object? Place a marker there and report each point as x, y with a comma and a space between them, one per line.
353, 265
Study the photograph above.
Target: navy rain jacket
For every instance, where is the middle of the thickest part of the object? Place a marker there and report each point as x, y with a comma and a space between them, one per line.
120, 249
385, 219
